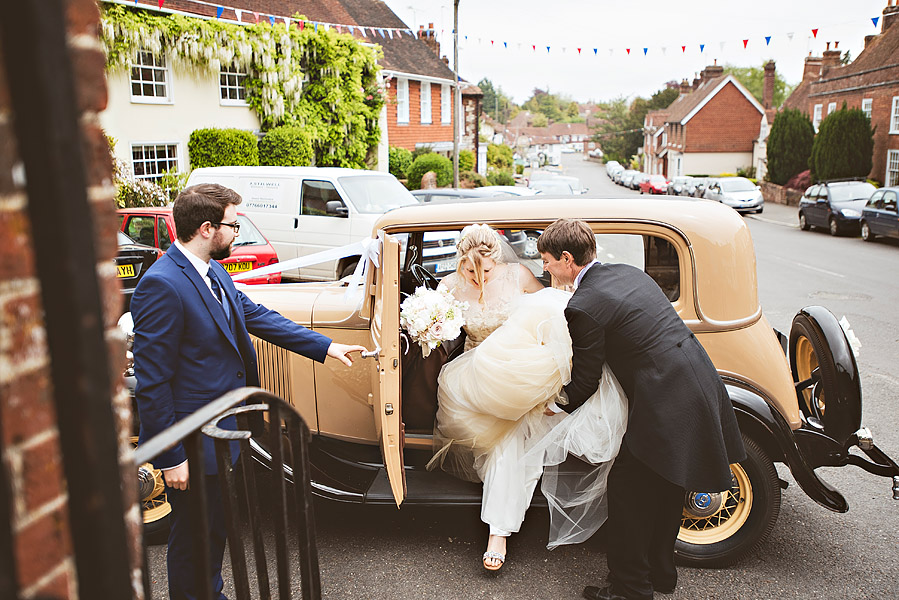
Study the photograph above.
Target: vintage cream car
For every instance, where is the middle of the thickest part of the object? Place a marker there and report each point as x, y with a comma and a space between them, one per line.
797, 398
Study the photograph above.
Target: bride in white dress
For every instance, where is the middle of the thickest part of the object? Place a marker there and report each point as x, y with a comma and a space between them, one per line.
492, 400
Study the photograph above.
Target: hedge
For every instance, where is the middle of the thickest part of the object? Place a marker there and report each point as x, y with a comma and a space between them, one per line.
441, 165
286, 146
222, 148
466, 160
843, 147
399, 160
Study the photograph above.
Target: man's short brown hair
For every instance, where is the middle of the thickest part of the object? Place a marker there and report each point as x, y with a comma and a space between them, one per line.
572, 235
200, 203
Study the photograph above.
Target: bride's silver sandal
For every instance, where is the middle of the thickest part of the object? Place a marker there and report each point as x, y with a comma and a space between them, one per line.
491, 554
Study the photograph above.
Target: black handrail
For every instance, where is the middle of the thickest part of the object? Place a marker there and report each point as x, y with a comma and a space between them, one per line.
239, 490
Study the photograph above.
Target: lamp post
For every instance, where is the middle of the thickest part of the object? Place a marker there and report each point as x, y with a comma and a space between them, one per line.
457, 100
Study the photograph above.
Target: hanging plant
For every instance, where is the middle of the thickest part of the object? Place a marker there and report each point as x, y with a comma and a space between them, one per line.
323, 81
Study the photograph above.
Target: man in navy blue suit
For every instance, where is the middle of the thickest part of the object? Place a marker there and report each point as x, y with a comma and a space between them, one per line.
192, 345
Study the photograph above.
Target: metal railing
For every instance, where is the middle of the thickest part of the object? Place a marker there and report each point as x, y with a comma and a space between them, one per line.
240, 496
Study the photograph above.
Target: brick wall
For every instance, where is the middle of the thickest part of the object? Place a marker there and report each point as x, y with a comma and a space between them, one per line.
30, 437
778, 194
406, 135
727, 123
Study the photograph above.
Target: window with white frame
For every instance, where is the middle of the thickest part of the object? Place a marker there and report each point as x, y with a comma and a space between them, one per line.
892, 175
402, 100
425, 103
831, 107
232, 86
894, 116
867, 105
816, 119
151, 161
150, 78
446, 104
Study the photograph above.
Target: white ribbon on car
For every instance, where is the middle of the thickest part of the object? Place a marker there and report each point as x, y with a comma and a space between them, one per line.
368, 250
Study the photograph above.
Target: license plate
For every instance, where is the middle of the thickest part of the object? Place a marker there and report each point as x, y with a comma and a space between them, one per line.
238, 267
124, 270
447, 265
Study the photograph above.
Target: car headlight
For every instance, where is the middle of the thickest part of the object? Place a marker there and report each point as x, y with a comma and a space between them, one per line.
852, 213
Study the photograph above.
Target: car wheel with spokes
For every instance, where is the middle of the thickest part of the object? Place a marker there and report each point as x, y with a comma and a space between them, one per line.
803, 222
530, 245
719, 529
834, 227
866, 232
155, 507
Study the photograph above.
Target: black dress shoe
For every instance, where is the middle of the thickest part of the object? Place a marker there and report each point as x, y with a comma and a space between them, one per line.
591, 592
663, 589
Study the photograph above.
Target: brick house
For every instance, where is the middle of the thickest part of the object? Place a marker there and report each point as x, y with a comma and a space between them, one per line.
870, 82
712, 127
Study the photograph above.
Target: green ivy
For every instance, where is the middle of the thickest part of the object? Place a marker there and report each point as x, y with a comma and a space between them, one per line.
323, 81
222, 148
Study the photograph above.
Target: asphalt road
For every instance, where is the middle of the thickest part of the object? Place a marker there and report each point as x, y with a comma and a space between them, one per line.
384, 553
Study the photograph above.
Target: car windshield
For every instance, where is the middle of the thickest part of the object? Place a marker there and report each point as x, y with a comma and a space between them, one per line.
737, 184
683, 179
861, 190
657, 179
549, 186
249, 235
374, 194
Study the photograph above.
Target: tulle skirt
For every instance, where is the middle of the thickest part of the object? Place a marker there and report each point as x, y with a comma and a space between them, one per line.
491, 425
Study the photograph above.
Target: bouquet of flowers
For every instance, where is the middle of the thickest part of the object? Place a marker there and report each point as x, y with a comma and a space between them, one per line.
432, 317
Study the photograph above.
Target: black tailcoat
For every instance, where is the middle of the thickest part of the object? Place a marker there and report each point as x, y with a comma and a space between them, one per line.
680, 420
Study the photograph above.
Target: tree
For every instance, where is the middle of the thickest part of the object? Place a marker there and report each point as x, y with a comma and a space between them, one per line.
495, 102
753, 79
843, 147
621, 131
789, 145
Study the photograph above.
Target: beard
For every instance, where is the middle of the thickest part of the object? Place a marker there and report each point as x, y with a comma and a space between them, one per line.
220, 250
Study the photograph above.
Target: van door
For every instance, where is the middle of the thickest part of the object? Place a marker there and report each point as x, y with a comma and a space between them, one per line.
272, 202
385, 334
318, 229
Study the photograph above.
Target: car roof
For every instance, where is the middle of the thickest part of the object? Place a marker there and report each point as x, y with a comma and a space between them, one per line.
721, 246
155, 210
294, 171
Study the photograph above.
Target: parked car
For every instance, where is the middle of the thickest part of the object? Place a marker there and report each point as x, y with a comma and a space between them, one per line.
552, 186
681, 185
738, 193
155, 226
304, 210
425, 196
131, 262
797, 398
656, 184
835, 205
699, 186
879, 217
637, 179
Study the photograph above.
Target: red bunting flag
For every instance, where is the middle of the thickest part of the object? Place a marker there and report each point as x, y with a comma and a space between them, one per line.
814, 33
745, 43
301, 25
491, 42
534, 47
578, 50
683, 49
161, 2
628, 50
256, 16
338, 28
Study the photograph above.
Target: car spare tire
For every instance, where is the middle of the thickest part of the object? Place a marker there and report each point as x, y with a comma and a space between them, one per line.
825, 373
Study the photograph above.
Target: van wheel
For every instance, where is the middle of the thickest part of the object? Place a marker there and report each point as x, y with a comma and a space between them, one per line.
720, 529
803, 222
349, 269
866, 232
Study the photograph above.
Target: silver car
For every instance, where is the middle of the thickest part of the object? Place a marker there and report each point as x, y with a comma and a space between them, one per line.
739, 193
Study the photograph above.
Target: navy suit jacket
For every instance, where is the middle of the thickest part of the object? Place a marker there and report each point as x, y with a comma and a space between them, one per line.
185, 352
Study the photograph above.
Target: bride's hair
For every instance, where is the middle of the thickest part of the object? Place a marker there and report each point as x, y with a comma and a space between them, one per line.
477, 242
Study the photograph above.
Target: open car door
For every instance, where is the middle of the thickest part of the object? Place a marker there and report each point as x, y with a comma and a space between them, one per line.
385, 334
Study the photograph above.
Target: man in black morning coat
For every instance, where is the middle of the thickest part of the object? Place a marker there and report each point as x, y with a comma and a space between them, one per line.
681, 434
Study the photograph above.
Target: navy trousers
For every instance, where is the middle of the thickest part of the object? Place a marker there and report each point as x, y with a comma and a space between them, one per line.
180, 557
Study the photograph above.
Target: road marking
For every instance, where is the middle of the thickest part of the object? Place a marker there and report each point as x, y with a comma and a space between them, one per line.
773, 221
811, 268
891, 380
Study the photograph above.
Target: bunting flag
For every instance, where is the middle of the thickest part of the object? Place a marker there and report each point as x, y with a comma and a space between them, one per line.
701, 48
256, 16
875, 20
683, 49
767, 39
628, 51
491, 42
315, 27
161, 2
790, 36
578, 50
547, 49
664, 51
814, 33
218, 11
287, 22
271, 20
337, 27
239, 13
745, 43
534, 47
595, 50
505, 45
645, 50
301, 25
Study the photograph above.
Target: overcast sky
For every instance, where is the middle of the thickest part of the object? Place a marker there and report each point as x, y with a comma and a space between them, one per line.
660, 26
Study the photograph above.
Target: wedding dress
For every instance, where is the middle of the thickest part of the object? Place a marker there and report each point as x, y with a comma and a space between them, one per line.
491, 425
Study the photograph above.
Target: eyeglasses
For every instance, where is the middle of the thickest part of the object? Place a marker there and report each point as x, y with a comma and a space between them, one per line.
235, 225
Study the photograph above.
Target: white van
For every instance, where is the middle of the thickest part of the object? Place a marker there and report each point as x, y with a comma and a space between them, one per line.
304, 210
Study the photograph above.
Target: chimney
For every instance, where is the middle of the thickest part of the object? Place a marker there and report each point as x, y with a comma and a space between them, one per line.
831, 58
812, 68
685, 87
697, 79
712, 71
890, 14
869, 39
768, 92
430, 40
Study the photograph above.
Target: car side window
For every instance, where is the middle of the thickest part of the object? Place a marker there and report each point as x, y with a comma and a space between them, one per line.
889, 201
876, 200
812, 193
315, 197
142, 230
162, 231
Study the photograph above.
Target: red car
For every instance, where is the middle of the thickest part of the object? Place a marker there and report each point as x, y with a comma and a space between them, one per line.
656, 184
156, 227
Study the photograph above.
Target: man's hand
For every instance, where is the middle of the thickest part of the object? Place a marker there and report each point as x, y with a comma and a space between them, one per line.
342, 352
177, 477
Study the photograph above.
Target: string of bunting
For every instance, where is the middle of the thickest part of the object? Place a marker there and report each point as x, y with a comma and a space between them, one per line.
391, 32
